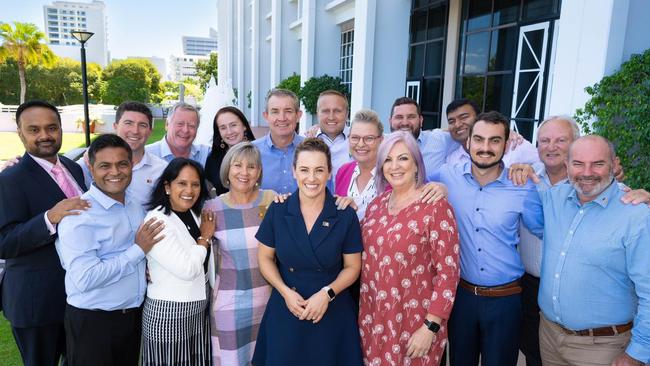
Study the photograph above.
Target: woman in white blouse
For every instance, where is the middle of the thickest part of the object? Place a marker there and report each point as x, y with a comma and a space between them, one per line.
175, 328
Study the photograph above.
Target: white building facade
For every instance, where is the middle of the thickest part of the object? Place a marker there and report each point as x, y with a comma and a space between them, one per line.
184, 66
62, 17
200, 46
525, 58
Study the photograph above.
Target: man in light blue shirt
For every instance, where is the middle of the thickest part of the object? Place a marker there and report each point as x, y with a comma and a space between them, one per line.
486, 319
277, 147
181, 125
134, 123
435, 145
595, 278
332, 112
102, 251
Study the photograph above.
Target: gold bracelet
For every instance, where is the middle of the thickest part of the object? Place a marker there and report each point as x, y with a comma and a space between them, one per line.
202, 238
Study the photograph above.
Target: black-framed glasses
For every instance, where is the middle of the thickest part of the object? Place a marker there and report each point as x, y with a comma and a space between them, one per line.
368, 140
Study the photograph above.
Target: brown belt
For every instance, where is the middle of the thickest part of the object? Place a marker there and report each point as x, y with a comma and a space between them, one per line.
495, 291
599, 332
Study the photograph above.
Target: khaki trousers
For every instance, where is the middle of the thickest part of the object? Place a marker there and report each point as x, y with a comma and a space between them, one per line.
560, 349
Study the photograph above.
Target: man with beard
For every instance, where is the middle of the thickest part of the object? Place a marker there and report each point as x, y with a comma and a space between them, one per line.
35, 194
594, 289
486, 318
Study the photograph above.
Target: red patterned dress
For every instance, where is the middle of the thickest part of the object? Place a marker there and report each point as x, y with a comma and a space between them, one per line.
410, 267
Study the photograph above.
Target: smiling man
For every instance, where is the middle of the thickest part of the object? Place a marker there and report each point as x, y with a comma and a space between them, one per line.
182, 125
332, 112
102, 251
489, 208
134, 123
594, 289
277, 147
35, 194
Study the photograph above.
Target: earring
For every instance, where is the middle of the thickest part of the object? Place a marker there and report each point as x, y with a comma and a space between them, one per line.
416, 175
167, 192
245, 138
221, 145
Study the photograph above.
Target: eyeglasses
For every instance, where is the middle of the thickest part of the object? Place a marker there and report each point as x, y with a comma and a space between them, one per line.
368, 140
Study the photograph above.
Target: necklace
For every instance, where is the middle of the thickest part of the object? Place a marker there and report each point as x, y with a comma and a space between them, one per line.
399, 205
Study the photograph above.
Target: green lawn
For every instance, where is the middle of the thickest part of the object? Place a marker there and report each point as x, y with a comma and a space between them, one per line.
10, 144
8, 351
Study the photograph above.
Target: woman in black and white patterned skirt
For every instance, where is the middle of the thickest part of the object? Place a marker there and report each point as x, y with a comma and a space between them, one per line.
175, 326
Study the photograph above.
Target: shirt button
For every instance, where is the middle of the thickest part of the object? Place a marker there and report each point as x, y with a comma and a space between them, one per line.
284, 171
481, 269
582, 211
477, 230
554, 297
557, 275
571, 232
480, 189
562, 254
479, 249
290, 269
477, 209
557, 318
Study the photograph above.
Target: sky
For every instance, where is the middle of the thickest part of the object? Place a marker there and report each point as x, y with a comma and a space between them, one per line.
135, 27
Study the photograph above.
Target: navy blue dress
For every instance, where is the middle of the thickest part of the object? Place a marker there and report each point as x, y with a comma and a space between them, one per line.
307, 262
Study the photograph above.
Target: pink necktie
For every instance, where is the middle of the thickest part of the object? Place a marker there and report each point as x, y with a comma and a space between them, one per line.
64, 182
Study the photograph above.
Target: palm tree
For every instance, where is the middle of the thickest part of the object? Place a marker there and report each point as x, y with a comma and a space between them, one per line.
23, 44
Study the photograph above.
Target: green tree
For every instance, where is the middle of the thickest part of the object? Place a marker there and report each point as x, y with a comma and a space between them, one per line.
9, 83
131, 79
23, 43
61, 84
619, 109
206, 69
316, 85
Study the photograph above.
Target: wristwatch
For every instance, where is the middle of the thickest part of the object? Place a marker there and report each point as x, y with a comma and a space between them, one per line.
432, 326
330, 293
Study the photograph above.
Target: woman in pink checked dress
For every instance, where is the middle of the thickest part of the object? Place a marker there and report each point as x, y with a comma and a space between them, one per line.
410, 265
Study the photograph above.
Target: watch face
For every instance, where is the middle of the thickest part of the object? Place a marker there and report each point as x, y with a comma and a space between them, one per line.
331, 294
433, 326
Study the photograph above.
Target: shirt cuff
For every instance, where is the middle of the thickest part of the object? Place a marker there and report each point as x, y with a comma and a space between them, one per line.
134, 254
50, 227
638, 352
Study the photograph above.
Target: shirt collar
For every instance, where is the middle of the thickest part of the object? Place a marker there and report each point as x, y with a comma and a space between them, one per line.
269, 141
105, 201
502, 178
602, 199
344, 134
46, 164
543, 175
145, 161
165, 150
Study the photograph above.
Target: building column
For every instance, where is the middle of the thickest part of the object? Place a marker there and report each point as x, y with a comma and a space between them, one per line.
589, 46
276, 41
240, 85
255, 45
363, 54
307, 53
451, 57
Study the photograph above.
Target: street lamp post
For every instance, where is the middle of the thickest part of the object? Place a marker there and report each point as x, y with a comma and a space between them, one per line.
82, 37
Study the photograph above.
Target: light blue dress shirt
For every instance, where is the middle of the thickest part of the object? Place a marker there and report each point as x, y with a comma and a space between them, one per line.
198, 153
435, 146
145, 176
104, 267
488, 219
596, 263
339, 149
277, 164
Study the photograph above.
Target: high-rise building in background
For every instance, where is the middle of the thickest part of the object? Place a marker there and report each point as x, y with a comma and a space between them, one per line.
183, 67
200, 46
62, 17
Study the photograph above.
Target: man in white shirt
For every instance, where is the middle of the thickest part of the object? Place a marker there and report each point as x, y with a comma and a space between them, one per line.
332, 111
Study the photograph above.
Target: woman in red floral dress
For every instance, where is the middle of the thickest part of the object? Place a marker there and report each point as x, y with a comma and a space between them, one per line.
410, 265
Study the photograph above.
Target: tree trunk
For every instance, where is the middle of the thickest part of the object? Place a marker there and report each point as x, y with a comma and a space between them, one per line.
23, 83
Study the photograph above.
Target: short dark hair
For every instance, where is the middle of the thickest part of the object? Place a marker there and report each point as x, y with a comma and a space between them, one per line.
36, 103
455, 104
134, 107
493, 117
106, 141
313, 144
402, 101
159, 195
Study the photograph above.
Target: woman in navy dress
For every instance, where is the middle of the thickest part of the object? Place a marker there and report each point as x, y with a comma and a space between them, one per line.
310, 253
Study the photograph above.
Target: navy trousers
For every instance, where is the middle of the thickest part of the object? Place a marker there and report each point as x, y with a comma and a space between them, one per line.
41, 346
485, 326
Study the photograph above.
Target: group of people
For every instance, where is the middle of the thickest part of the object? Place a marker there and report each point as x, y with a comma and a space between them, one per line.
347, 246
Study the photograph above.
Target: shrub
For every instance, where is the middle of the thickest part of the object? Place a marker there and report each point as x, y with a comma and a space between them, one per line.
620, 110
291, 83
316, 85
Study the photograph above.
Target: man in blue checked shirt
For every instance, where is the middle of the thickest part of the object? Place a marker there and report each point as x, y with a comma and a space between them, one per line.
595, 277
